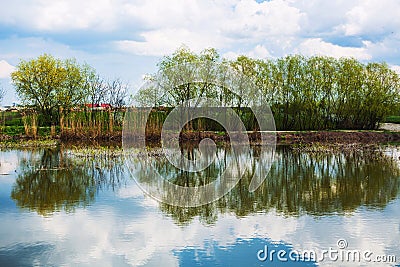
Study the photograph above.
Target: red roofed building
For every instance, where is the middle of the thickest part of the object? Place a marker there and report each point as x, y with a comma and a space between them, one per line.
99, 106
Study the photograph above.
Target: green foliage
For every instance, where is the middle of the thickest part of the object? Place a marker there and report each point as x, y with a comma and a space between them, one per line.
47, 83
52, 86
304, 93
13, 130
8, 118
177, 78
393, 119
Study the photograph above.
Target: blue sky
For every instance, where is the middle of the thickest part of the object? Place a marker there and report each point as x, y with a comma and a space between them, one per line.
125, 39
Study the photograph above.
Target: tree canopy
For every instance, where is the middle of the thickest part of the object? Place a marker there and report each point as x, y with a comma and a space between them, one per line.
304, 93
47, 83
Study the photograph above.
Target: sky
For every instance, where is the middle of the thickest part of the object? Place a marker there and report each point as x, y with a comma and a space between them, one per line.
126, 39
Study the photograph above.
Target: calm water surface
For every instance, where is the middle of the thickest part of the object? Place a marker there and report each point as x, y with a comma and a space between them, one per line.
60, 209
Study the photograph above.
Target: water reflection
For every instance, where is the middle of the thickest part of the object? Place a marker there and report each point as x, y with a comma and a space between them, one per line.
307, 183
26, 254
298, 183
123, 228
232, 255
51, 180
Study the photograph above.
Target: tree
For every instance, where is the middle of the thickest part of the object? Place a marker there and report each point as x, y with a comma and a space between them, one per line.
151, 96
304, 93
72, 90
95, 88
47, 83
117, 93
186, 75
381, 96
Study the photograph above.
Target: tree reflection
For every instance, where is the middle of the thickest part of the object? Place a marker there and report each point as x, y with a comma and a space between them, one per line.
50, 180
307, 183
298, 183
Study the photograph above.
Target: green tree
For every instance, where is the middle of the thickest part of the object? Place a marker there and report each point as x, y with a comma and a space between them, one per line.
150, 96
179, 73
381, 94
304, 93
47, 83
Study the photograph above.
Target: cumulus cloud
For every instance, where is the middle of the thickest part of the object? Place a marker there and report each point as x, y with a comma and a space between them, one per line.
163, 42
120, 35
322, 17
372, 17
316, 46
201, 24
268, 28
60, 16
258, 52
5, 69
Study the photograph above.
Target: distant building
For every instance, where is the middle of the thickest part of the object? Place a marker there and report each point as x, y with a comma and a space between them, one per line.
99, 106
12, 108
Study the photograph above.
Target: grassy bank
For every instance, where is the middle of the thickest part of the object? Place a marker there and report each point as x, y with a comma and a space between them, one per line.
393, 119
28, 143
83, 127
289, 138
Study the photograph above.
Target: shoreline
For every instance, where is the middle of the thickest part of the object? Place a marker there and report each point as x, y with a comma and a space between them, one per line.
341, 137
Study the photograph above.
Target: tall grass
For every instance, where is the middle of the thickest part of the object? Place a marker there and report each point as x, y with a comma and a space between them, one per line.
30, 121
89, 123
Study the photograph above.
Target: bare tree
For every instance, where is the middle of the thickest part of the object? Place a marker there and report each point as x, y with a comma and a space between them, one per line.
97, 90
117, 93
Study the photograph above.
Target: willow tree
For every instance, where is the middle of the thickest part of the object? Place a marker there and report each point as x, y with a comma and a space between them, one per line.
304, 93
47, 83
179, 75
381, 94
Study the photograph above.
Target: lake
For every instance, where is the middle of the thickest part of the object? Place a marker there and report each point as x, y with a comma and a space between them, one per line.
59, 207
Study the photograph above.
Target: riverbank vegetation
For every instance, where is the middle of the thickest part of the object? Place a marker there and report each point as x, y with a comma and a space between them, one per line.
304, 93
51, 89
66, 100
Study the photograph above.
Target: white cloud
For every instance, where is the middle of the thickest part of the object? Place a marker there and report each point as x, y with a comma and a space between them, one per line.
266, 19
396, 68
258, 52
201, 24
60, 16
133, 33
370, 17
270, 28
5, 69
317, 46
321, 17
230, 55
163, 42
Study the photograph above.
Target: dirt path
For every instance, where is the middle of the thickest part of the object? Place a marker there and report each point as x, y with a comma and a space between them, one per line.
390, 127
